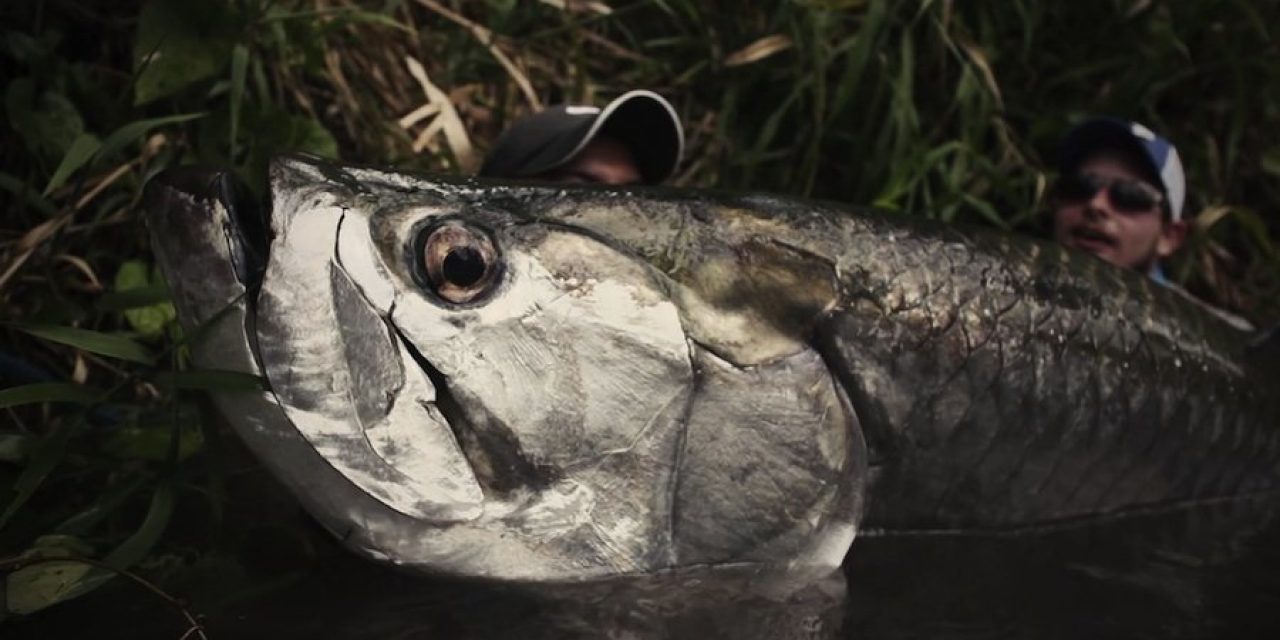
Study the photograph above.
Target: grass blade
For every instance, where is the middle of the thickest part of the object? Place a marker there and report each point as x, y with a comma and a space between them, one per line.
48, 392
103, 344
42, 585
46, 456
137, 545
122, 137
27, 193
82, 149
239, 66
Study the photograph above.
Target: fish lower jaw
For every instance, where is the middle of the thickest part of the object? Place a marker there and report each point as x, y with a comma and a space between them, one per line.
545, 513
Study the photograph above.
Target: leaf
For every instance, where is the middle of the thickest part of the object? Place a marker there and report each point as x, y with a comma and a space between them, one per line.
134, 298
239, 65
455, 131
104, 344
59, 545
986, 210
357, 15
150, 320
1209, 217
275, 132
278, 131
1271, 161
158, 435
138, 545
861, 56
758, 50
39, 586
503, 8
153, 442
307, 134
27, 192
24, 48
14, 446
107, 503
180, 43
48, 123
1257, 227
48, 392
82, 149
131, 132
45, 456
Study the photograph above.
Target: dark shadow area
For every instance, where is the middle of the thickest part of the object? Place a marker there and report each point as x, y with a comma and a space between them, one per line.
1193, 574
1163, 577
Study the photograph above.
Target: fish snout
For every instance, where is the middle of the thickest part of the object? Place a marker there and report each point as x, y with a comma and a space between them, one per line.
191, 203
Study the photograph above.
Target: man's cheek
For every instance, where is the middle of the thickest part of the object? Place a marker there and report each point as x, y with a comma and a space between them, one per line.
1063, 220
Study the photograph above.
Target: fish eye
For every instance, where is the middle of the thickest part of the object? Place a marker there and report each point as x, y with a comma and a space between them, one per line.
459, 261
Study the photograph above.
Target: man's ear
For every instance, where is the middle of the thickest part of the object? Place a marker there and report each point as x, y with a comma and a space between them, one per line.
1172, 234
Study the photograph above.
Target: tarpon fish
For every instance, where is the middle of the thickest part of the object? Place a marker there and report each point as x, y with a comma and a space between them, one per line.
533, 384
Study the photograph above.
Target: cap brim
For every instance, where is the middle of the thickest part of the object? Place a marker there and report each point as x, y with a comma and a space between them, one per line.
648, 126
642, 121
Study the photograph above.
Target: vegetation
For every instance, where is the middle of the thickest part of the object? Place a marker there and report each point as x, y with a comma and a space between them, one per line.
930, 107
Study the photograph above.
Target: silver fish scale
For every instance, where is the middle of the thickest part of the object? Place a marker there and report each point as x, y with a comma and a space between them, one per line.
1063, 389
668, 380
1002, 384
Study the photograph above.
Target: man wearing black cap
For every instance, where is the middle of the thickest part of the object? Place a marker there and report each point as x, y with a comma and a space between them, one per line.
636, 139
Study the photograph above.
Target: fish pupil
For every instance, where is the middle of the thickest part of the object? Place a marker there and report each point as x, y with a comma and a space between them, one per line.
463, 266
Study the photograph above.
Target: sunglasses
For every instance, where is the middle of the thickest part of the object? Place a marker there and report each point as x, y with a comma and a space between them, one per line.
1127, 196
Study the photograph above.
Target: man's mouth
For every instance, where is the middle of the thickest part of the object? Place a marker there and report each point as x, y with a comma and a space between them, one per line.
1091, 240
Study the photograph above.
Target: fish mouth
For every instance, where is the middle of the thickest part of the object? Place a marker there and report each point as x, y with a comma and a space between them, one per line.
208, 196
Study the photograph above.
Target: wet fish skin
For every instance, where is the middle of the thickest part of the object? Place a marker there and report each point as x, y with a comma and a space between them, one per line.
1048, 387
1001, 385
426, 435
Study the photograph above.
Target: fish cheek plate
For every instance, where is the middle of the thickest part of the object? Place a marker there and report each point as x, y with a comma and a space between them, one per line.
342, 377
575, 365
661, 454
774, 466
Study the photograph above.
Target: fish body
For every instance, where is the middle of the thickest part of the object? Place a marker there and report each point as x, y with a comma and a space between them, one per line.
532, 384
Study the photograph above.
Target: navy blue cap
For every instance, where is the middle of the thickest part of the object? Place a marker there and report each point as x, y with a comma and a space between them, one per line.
1107, 132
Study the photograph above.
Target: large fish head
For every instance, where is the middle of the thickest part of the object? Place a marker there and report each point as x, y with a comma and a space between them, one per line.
459, 384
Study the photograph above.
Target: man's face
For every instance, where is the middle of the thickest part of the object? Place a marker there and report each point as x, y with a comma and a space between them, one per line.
603, 161
1120, 230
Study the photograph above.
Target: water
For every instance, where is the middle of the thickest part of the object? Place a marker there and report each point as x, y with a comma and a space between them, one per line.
1199, 573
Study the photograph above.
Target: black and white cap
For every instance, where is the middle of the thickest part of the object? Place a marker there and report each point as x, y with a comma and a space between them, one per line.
1160, 155
641, 120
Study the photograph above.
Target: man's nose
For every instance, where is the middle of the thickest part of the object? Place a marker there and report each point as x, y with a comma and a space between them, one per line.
1099, 204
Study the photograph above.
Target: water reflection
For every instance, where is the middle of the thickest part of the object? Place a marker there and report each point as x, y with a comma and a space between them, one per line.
1199, 573
344, 597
